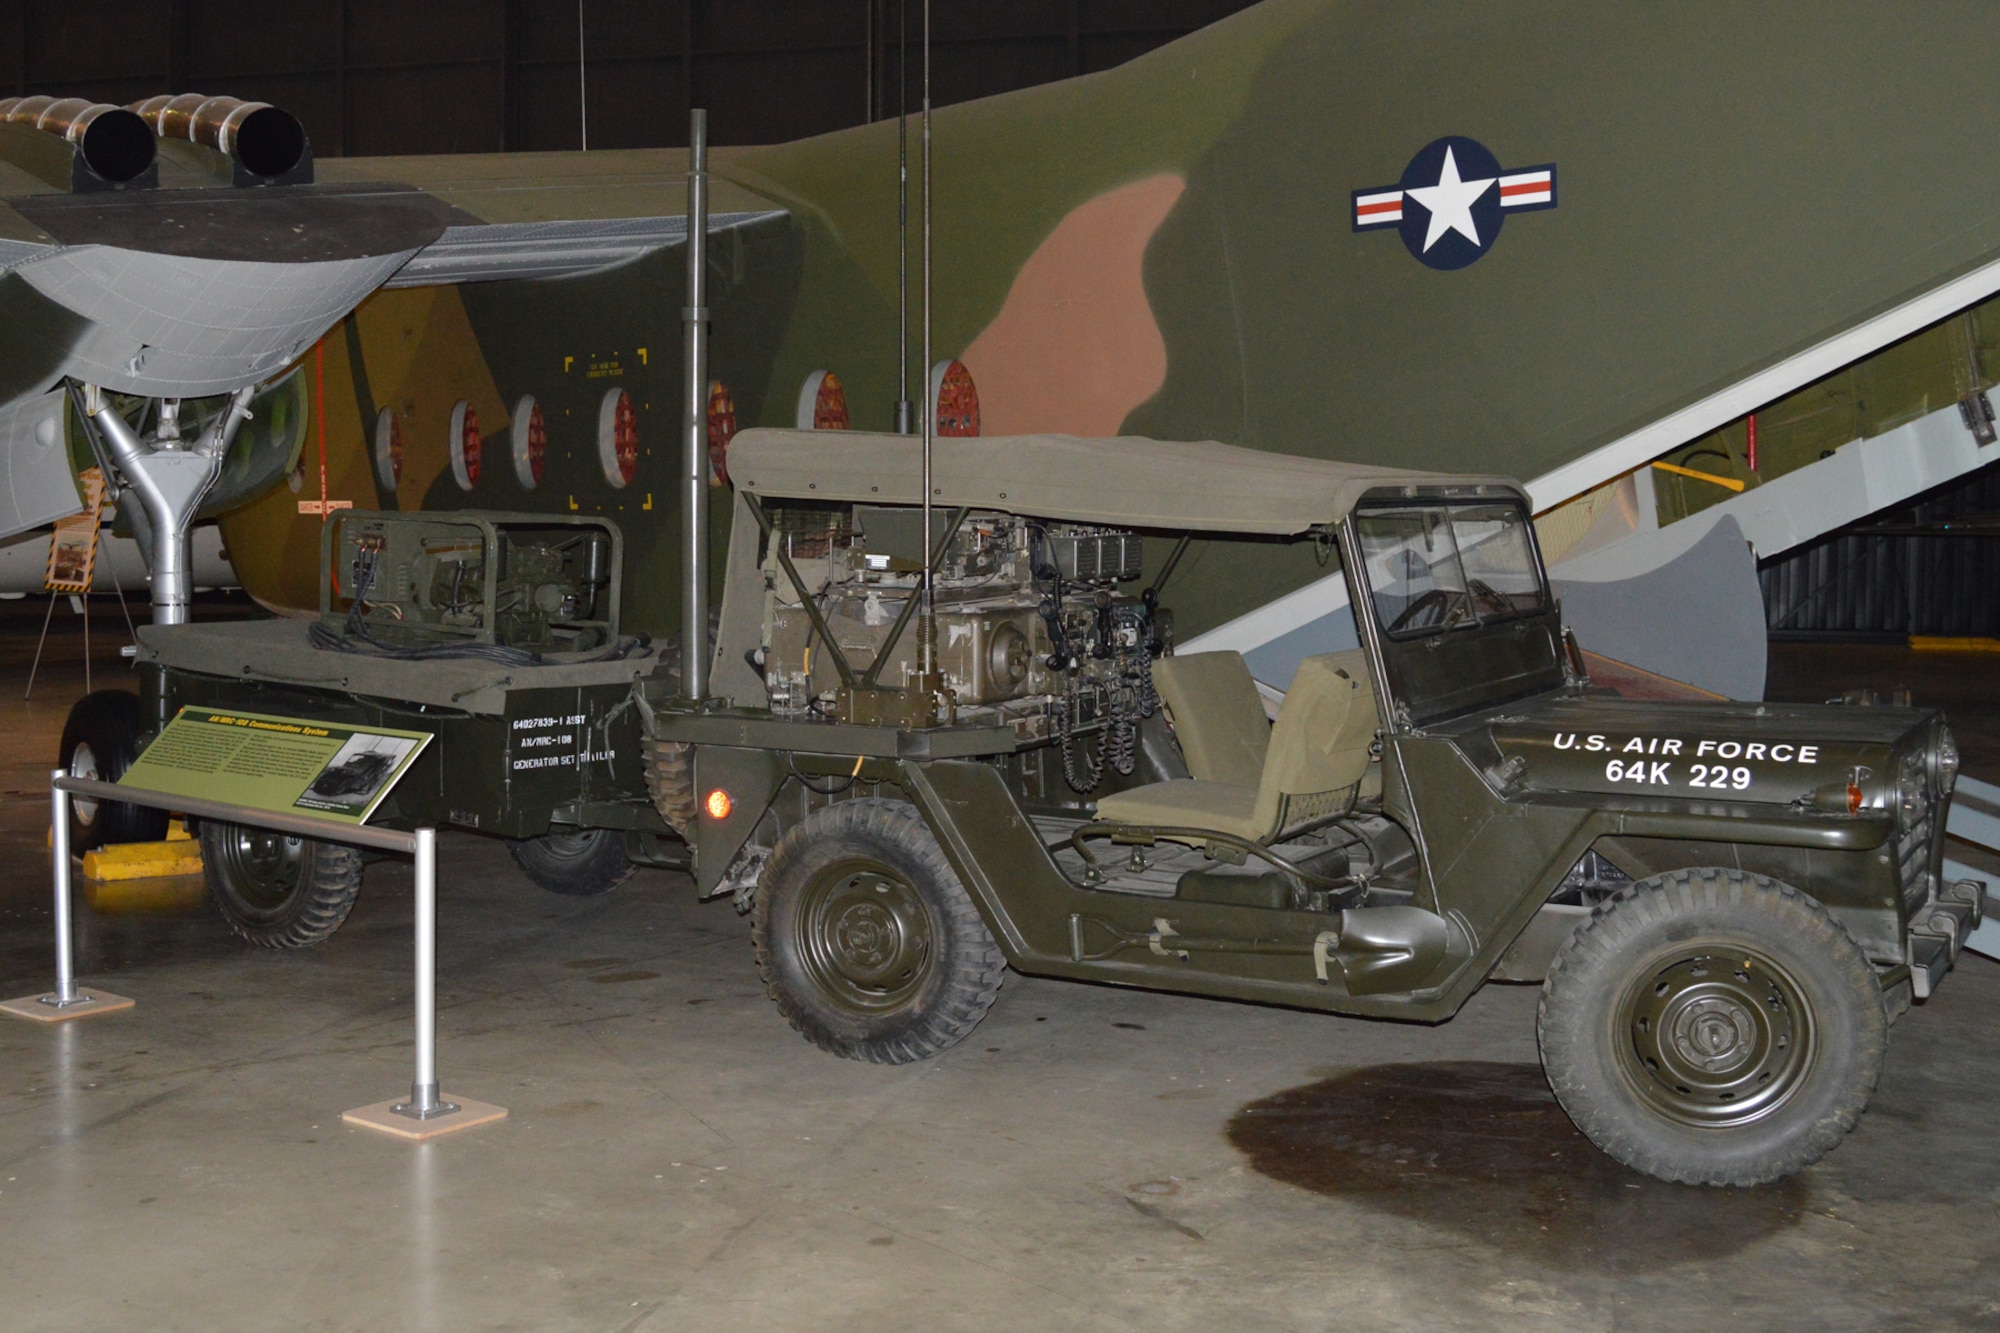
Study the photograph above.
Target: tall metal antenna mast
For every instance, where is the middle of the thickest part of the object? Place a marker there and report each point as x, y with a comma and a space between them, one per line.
903, 422
927, 623
694, 421
582, 98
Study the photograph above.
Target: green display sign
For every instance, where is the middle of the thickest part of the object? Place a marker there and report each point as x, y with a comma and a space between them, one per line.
286, 764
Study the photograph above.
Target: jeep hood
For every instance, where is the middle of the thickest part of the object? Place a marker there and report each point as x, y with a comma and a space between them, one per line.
1766, 753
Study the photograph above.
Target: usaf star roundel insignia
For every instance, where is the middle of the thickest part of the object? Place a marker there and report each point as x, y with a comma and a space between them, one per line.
1452, 199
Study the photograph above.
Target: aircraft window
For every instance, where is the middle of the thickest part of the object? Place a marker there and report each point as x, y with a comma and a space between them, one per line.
388, 449
1444, 567
618, 438
465, 446
529, 437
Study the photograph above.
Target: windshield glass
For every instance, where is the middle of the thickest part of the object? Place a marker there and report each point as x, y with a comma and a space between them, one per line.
1441, 567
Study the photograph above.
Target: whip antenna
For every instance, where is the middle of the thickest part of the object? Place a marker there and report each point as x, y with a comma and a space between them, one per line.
927, 622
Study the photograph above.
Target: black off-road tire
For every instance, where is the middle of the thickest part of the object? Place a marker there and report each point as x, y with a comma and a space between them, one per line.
275, 890
577, 862
1896, 1001
1713, 1027
866, 940
670, 780
100, 740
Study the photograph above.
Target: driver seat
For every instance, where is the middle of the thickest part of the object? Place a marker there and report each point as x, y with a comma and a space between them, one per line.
1312, 762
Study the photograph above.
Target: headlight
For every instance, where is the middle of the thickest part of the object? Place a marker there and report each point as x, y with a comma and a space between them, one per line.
1944, 761
1910, 797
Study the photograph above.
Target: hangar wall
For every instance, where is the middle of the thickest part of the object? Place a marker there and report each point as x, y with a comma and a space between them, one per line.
375, 77
1928, 568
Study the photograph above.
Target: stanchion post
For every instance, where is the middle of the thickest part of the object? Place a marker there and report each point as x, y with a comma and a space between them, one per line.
67, 1000
424, 1102
426, 1114
65, 992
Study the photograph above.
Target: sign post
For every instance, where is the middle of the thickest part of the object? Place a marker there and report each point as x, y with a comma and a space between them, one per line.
67, 1000
312, 779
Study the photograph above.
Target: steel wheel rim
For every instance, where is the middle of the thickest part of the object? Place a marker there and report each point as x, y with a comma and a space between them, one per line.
570, 844
83, 764
1713, 1036
262, 869
865, 936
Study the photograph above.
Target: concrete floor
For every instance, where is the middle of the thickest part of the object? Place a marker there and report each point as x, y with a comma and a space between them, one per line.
678, 1159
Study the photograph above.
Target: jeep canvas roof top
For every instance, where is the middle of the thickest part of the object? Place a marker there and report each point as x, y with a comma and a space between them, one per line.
1123, 481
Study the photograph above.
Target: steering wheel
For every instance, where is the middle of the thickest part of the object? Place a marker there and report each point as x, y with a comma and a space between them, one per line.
1439, 606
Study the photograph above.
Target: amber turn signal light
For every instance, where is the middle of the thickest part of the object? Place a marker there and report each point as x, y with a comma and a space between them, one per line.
719, 805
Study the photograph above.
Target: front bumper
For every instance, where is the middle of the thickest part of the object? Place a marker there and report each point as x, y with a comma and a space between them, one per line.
1938, 930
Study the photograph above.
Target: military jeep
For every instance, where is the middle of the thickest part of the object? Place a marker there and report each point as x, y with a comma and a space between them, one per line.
1725, 903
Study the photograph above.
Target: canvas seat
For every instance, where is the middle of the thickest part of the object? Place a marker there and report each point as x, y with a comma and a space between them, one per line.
1307, 764
1218, 715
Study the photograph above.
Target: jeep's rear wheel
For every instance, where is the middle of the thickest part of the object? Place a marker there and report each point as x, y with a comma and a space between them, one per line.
276, 890
866, 940
1712, 1027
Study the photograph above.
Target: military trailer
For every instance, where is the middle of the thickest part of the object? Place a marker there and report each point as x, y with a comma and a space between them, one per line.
496, 633
916, 764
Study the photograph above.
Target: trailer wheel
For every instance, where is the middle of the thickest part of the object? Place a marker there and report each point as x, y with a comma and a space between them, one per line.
100, 740
866, 940
1712, 1027
670, 780
578, 862
276, 890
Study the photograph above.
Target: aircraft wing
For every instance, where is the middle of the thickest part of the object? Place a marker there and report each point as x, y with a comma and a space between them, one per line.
191, 282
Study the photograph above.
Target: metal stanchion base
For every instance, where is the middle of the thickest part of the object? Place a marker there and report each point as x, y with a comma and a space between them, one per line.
385, 1117
88, 1004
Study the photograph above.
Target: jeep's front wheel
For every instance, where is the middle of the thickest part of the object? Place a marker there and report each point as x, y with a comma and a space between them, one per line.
866, 940
1712, 1027
276, 890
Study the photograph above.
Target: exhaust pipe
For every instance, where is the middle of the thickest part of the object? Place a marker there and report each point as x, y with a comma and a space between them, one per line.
111, 148
267, 145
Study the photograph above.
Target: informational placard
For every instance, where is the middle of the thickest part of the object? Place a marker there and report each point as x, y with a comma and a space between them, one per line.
290, 765
73, 544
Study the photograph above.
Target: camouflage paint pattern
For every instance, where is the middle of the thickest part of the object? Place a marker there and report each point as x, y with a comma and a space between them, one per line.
1167, 249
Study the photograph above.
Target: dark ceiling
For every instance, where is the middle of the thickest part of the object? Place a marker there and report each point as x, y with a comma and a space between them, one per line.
444, 76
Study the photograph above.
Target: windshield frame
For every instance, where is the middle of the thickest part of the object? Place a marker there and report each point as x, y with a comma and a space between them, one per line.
1436, 675
1477, 604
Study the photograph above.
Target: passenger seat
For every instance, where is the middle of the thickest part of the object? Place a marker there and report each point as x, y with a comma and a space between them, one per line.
1253, 779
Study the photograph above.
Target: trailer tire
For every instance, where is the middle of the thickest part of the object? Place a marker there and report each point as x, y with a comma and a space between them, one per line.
576, 862
670, 780
275, 890
866, 940
1712, 1027
100, 739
